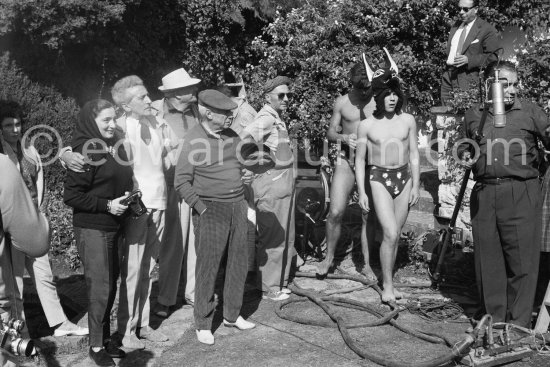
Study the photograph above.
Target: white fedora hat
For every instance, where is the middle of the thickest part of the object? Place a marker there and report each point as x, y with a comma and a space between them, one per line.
177, 79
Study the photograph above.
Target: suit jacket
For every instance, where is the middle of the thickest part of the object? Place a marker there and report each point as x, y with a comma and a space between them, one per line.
482, 40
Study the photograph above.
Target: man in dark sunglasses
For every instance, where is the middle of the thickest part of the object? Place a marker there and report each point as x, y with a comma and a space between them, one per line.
472, 43
274, 193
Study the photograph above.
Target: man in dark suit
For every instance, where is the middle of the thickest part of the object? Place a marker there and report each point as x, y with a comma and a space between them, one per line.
472, 43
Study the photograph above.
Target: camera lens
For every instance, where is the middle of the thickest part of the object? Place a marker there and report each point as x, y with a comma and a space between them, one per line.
22, 347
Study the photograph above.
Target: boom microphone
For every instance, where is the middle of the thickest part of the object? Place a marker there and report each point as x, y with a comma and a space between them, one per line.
497, 97
497, 93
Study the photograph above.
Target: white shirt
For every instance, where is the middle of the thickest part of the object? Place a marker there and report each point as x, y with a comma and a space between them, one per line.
148, 164
454, 42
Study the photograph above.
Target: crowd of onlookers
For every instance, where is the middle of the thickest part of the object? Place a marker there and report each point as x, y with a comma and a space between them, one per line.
194, 182
201, 183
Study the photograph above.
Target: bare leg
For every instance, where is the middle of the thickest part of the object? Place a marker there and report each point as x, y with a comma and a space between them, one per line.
401, 207
368, 230
342, 184
384, 206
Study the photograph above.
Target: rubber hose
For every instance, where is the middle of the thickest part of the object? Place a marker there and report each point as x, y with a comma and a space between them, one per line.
455, 352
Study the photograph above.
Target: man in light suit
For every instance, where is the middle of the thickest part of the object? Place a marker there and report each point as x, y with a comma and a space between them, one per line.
472, 44
142, 235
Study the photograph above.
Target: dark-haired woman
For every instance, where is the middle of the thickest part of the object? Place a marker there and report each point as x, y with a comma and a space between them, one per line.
95, 196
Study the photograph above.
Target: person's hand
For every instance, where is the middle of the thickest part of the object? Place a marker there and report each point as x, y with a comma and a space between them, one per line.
467, 161
116, 207
414, 196
351, 140
364, 203
73, 161
460, 60
247, 176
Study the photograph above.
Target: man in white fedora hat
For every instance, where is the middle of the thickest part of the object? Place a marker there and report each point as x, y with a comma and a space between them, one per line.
179, 110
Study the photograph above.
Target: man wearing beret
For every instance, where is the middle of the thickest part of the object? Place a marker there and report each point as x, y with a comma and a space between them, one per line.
274, 193
179, 110
208, 177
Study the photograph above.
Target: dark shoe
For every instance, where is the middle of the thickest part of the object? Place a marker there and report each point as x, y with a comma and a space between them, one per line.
101, 358
162, 310
113, 351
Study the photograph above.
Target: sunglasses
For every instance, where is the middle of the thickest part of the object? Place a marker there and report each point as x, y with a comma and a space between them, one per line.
282, 96
466, 9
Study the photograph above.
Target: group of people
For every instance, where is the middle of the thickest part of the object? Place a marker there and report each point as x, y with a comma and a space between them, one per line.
187, 155
199, 182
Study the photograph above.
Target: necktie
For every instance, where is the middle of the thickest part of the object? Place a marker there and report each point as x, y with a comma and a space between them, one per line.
461, 40
145, 133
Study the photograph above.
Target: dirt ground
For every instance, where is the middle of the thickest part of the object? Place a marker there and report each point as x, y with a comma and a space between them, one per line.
275, 341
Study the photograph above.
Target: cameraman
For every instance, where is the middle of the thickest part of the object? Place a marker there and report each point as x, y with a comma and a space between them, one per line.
17, 214
505, 203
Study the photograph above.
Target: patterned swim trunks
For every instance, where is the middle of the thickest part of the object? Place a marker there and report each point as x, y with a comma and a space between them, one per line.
393, 179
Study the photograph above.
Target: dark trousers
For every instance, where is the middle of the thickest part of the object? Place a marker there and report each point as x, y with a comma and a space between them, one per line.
98, 251
506, 230
221, 229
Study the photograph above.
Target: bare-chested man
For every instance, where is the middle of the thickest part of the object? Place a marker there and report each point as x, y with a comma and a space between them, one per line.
389, 136
348, 111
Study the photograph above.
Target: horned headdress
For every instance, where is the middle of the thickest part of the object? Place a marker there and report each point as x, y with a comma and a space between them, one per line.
383, 81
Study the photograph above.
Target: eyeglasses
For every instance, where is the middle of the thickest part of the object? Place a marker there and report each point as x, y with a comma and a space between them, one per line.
466, 9
282, 96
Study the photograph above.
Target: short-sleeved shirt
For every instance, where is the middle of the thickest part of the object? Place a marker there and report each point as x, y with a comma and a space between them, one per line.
509, 151
266, 126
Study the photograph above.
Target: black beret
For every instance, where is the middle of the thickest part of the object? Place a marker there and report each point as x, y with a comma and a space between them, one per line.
214, 99
275, 82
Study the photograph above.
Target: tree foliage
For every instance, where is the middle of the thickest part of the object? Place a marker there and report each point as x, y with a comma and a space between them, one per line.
316, 45
58, 54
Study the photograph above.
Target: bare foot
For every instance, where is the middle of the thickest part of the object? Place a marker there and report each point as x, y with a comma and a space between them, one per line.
324, 267
387, 295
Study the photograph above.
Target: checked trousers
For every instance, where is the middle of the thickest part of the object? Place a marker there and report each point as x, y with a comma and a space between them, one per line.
220, 230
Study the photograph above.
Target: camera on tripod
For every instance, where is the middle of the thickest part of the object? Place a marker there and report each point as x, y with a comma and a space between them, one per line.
134, 203
11, 340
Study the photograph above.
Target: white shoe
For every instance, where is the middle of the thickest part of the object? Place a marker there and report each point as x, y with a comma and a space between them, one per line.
240, 324
205, 336
286, 290
69, 329
275, 296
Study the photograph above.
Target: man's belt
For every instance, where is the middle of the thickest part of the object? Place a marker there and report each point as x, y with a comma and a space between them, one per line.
501, 180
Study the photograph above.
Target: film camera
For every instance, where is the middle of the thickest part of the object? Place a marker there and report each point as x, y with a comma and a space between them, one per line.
11, 341
134, 203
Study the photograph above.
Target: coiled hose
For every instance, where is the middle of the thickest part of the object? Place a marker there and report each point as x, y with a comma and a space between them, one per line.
457, 350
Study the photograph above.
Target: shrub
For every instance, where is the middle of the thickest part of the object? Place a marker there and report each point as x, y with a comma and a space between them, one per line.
316, 45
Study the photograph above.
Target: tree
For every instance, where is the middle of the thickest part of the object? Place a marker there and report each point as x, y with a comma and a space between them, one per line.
317, 44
